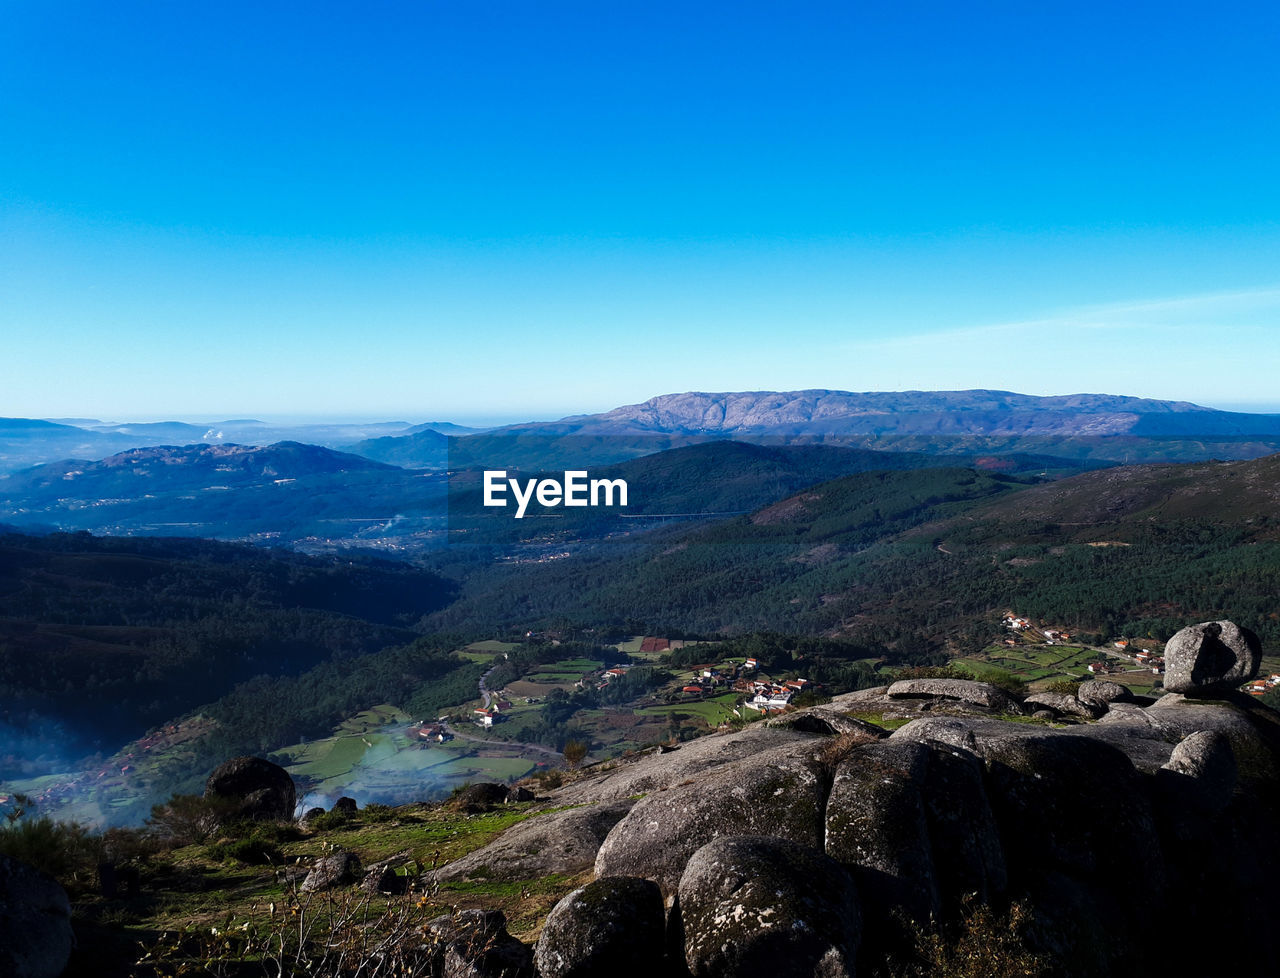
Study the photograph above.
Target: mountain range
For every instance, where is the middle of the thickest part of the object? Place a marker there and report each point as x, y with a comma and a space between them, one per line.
1079, 426
288, 492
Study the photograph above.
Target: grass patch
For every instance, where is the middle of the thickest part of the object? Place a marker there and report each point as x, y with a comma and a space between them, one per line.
713, 711
880, 721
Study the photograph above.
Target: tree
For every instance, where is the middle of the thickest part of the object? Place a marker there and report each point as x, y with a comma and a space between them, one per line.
575, 751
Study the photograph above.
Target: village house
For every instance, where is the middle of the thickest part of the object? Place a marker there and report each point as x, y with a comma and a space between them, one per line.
770, 697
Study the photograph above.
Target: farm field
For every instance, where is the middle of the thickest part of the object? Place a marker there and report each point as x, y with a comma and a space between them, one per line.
1035, 662
1039, 665
564, 672
370, 757
492, 646
713, 711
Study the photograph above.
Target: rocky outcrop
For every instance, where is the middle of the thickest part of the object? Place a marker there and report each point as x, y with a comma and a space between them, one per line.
752, 905
775, 793
335, 869
261, 790
876, 828
656, 771
985, 695
556, 842
518, 793
1198, 782
475, 944
35, 923
1211, 658
1102, 693
771, 844
826, 720
481, 797
1061, 704
614, 926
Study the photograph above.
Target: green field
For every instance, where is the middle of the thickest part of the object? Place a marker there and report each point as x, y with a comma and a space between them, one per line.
372, 752
1039, 665
564, 671
492, 646
714, 711
1034, 663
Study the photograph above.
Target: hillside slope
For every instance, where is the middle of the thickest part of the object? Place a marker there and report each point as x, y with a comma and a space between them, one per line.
286, 492
930, 558
102, 638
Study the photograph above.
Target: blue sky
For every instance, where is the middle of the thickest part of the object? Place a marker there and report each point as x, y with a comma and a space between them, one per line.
515, 209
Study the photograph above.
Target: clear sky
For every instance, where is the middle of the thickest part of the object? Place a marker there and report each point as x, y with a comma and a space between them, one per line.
474, 209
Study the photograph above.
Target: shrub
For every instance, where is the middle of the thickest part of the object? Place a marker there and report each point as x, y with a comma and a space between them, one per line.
930, 672
255, 850
329, 935
1004, 680
186, 820
61, 849
575, 751
1063, 687
984, 944
336, 819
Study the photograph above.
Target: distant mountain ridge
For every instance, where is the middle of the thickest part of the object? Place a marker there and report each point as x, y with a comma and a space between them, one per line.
287, 492
1093, 427
970, 412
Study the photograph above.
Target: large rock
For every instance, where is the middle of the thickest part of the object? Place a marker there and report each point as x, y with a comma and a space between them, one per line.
968, 858
1073, 804
1251, 727
777, 793
985, 695
876, 828
335, 869
475, 944
614, 926
827, 722
482, 796
912, 823
262, 790
1101, 693
692, 761
1062, 704
35, 923
1200, 776
767, 906
556, 842
1211, 658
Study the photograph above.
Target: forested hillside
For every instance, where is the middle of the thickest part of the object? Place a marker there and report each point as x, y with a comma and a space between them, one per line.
102, 637
927, 558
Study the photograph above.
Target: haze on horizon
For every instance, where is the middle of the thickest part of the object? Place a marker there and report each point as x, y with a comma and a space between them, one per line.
438, 212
